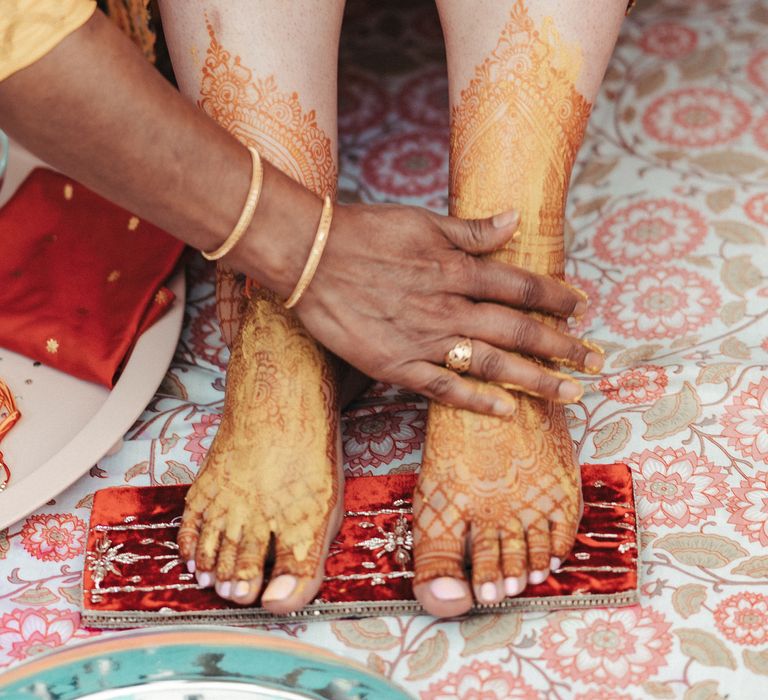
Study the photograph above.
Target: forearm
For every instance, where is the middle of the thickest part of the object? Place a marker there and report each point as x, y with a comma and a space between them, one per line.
94, 108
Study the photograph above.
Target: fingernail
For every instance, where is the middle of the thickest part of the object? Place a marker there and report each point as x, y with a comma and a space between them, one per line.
514, 585
554, 564
505, 407
191, 566
570, 391
580, 309
506, 218
593, 362
537, 577
204, 580
447, 589
223, 588
488, 592
280, 588
241, 589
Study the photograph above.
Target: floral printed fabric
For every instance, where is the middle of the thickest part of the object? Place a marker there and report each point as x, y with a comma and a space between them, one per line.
668, 217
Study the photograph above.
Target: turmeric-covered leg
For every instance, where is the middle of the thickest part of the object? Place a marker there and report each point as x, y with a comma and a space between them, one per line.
272, 478
509, 486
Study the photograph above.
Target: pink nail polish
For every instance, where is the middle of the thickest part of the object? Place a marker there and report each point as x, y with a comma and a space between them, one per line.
280, 588
514, 586
555, 564
447, 589
241, 589
488, 592
224, 588
537, 577
204, 580
191, 566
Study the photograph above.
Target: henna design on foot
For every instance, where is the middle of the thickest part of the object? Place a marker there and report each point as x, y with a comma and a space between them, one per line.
509, 485
272, 480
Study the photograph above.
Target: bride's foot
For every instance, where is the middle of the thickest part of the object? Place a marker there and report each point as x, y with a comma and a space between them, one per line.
508, 488
272, 480
511, 485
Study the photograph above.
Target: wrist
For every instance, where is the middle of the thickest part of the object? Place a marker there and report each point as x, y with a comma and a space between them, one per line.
275, 246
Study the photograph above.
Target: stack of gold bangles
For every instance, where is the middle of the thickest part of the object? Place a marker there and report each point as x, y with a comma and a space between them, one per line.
246, 216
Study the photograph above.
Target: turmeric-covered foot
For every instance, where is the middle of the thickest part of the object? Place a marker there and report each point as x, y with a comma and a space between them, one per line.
506, 488
272, 478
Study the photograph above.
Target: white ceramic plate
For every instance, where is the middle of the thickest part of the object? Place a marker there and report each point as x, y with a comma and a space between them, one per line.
68, 424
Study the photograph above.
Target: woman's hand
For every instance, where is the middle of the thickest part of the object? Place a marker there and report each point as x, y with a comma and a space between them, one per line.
399, 286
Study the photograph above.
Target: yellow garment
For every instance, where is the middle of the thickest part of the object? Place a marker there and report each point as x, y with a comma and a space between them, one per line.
29, 29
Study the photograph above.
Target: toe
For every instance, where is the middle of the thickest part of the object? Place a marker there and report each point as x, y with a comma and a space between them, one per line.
562, 537
538, 552
206, 553
440, 584
226, 561
191, 522
246, 578
294, 581
514, 557
246, 592
486, 570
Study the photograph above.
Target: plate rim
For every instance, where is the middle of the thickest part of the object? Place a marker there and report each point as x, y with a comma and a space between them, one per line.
184, 635
124, 404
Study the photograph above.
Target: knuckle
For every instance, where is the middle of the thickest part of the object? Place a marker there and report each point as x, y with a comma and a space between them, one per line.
529, 291
457, 267
439, 387
546, 384
522, 333
491, 365
475, 235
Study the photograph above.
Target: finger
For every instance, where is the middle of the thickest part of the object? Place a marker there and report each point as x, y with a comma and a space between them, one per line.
478, 236
518, 332
518, 374
447, 387
491, 280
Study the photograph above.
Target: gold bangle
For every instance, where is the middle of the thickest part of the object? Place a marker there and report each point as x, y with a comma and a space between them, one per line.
321, 238
246, 216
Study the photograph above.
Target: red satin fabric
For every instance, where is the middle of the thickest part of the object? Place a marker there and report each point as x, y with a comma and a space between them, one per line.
81, 277
367, 545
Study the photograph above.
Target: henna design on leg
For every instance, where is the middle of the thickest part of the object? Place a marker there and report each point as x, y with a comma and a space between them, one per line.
273, 472
512, 482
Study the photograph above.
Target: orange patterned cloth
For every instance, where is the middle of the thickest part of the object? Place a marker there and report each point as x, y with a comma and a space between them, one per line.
82, 278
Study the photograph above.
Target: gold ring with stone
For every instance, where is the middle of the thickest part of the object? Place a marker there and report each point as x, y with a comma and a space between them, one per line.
459, 357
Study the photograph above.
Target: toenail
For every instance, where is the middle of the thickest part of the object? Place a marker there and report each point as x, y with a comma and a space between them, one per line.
488, 592
537, 577
554, 563
242, 589
204, 580
191, 566
447, 589
223, 588
513, 586
280, 588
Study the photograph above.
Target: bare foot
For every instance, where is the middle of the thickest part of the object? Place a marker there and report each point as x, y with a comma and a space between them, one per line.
511, 486
273, 474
